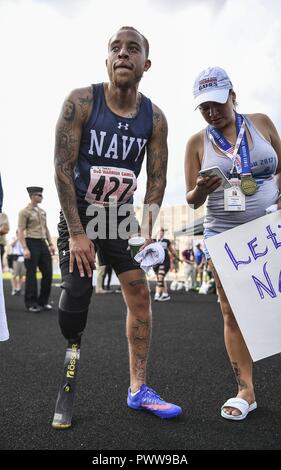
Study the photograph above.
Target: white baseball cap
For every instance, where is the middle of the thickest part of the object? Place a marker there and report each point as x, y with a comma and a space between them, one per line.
213, 84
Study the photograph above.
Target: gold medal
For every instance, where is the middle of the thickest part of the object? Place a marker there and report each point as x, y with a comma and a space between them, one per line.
248, 185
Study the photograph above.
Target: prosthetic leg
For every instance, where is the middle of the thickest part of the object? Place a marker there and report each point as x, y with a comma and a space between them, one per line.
72, 320
65, 401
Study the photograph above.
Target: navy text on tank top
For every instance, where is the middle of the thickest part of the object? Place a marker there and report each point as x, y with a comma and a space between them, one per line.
109, 143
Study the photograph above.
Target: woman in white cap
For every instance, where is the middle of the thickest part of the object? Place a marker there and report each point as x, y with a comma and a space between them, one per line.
227, 136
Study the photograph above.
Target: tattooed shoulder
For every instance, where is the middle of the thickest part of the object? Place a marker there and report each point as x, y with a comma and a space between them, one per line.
85, 102
156, 117
68, 111
77, 106
159, 120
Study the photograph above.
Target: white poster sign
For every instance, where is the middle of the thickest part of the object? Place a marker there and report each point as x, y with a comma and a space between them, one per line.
248, 261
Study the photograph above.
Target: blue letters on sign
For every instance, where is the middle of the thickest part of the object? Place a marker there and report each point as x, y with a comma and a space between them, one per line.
233, 259
259, 285
273, 236
266, 285
252, 248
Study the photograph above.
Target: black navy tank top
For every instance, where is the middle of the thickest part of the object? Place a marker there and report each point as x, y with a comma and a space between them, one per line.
112, 150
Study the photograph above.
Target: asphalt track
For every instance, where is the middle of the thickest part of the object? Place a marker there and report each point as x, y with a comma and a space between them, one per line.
188, 365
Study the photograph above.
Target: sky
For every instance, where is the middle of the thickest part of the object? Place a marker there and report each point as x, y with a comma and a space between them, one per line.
49, 47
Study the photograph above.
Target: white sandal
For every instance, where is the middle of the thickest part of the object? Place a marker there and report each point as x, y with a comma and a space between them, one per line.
241, 405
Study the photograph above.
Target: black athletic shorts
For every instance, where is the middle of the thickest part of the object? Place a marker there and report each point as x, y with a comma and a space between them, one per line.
110, 251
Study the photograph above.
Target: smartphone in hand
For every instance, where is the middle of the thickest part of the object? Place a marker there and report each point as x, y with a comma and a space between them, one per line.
216, 171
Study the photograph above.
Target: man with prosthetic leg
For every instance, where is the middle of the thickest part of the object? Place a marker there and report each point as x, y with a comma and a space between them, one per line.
102, 135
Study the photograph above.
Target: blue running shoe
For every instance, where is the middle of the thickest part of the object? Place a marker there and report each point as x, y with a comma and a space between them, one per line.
147, 399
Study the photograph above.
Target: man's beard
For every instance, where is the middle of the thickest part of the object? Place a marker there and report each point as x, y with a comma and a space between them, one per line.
126, 83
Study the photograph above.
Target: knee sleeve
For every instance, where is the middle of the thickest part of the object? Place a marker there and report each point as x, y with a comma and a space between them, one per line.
73, 310
76, 292
72, 324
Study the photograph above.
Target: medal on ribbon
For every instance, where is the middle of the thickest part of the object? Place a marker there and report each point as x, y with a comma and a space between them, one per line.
248, 185
240, 161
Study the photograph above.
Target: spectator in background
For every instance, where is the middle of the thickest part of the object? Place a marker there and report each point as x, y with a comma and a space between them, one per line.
4, 331
1, 195
4, 229
161, 292
107, 273
199, 264
189, 268
18, 267
33, 234
100, 270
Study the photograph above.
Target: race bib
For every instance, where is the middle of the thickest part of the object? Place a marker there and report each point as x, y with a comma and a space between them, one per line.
110, 185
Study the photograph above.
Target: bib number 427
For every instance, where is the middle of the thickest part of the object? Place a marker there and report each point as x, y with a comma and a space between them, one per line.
110, 185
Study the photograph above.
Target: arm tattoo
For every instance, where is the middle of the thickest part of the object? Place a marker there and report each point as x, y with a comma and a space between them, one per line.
157, 161
84, 104
156, 119
156, 183
66, 152
65, 141
157, 157
68, 110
